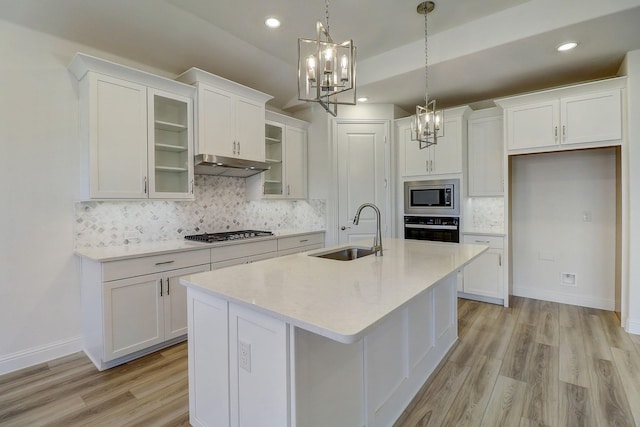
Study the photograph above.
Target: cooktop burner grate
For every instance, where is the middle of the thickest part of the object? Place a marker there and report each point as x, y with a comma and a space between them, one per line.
228, 235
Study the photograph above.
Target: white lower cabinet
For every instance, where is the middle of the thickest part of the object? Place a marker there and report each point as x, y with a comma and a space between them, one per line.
243, 253
295, 244
127, 313
483, 277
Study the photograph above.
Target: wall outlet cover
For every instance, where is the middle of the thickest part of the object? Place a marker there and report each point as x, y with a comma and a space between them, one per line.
568, 279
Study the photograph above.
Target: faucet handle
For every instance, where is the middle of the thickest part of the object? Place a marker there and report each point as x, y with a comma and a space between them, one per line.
344, 228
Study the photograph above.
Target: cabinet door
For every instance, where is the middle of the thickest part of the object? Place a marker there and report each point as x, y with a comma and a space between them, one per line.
533, 125
249, 119
170, 145
446, 155
175, 301
592, 117
416, 161
132, 315
273, 179
483, 276
216, 122
485, 157
295, 163
117, 138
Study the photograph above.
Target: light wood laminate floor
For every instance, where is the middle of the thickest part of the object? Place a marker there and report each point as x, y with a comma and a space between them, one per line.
534, 364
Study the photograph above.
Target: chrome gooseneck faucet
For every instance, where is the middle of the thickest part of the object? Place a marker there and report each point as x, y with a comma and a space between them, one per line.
377, 241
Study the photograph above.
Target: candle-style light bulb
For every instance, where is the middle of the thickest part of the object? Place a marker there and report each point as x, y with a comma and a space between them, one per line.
344, 64
328, 60
311, 68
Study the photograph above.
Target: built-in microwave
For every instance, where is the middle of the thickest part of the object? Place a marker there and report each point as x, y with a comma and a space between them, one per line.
436, 197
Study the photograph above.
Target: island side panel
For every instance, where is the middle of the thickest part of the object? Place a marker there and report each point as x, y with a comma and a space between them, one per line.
328, 382
258, 369
371, 382
208, 360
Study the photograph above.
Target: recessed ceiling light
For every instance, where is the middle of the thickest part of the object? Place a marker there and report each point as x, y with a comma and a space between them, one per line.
567, 46
272, 23
363, 99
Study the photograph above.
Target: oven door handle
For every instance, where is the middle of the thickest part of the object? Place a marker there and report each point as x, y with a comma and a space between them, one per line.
432, 227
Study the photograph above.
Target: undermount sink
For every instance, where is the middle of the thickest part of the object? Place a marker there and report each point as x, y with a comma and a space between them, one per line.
346, 254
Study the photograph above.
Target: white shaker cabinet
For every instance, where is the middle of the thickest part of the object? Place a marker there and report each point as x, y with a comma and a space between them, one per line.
484, 276
485, 153
579, 116
136, 130
230, 117
134, 306
286, 152
443, 158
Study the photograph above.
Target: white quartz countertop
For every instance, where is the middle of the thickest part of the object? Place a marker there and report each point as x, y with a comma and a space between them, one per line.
340, 300
116, 253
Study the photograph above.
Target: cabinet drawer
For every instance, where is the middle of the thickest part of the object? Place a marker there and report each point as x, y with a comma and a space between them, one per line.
153, 264
299, 249
243, 250
491, 241
286, 243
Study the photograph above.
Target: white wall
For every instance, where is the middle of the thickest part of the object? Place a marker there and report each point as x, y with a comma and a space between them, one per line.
39, 175
551, 193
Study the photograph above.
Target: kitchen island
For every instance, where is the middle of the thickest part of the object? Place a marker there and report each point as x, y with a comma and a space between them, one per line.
306, 341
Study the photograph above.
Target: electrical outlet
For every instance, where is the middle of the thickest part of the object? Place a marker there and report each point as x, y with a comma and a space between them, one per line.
568, 279
244, 355
131, 236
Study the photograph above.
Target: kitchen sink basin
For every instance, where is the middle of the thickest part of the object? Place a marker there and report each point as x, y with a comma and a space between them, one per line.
346, 254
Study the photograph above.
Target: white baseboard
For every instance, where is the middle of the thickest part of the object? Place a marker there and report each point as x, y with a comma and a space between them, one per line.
581, 300
633, 326
33, 356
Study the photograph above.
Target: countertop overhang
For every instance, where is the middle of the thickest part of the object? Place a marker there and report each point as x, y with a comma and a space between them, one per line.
340, 300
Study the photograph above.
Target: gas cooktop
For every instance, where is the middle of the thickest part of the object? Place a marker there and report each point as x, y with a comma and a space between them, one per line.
228, 235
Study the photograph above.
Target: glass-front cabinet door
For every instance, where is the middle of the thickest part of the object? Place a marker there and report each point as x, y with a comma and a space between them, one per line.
170, 145
273, 178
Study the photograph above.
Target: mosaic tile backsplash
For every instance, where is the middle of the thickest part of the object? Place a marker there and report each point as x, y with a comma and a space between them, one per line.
485, 214
219, 205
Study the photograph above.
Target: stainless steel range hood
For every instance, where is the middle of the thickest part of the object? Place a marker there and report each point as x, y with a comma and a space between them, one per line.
209, 164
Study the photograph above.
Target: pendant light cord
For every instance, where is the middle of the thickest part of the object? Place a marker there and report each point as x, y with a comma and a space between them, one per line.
326, 12
426, 61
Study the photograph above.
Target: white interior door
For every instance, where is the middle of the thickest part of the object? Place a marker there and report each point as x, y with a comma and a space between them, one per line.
362, 178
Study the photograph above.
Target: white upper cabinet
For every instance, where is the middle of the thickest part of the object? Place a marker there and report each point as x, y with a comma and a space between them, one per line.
136, 130
443, 158
230, 117
485, 153
285, 145
589, 114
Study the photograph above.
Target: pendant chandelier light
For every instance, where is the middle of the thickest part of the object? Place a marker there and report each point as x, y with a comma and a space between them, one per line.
326, 69
425, 126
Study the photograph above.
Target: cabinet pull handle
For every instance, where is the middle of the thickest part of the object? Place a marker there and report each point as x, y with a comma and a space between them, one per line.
145, 185
161, 287
555, 132
430, 165
483, 241
426, 165
564, 132
192, 186
167, 286
238, 148
288, 190
165, 262
500, 260
304, 240
234, 148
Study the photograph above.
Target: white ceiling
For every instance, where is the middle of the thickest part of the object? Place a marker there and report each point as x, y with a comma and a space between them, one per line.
478, 49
